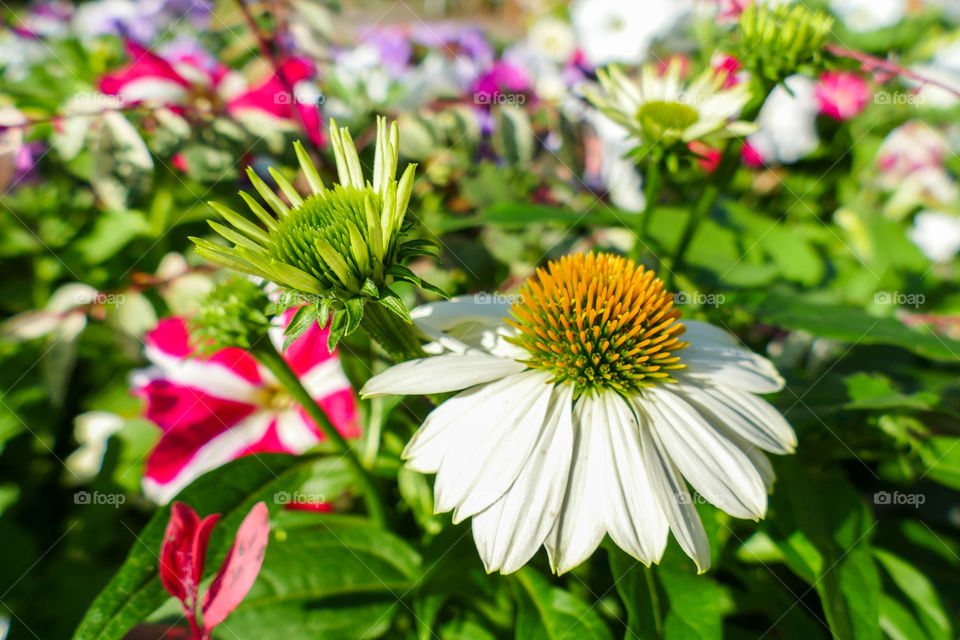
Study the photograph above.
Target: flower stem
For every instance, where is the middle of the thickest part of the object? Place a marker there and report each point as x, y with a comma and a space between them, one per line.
272, 360
397, 337
651, 188
654, 600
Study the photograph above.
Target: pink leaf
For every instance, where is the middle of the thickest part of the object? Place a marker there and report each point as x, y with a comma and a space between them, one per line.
239, 569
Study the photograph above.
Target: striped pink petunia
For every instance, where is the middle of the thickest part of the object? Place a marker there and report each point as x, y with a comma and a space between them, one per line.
214, 409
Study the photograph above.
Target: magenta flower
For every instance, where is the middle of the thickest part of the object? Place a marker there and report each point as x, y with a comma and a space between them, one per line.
214, 409
842, 94
188, 79
183, 555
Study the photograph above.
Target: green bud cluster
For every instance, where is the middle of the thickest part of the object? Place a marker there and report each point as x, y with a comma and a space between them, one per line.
231, 315
341, 246
776, 42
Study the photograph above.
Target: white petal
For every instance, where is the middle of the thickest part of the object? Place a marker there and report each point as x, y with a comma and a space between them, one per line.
494, 443
631, 511
673, 496
579, 529
483, 308
444, 426
714, 465
509, 532
713, 355
210, 377
751, 418
294, 433
440, 374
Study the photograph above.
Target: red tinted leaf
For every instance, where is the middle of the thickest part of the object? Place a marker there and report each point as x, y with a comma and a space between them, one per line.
177, 540
239, 569
200, 540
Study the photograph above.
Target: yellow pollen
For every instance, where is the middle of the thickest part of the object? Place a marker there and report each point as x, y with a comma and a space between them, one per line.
599, 321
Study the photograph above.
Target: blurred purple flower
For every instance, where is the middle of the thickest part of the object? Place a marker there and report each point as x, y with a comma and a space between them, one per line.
394, 47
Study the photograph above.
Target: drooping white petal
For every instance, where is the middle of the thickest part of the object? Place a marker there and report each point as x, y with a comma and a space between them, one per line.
443, 428
494, 444
440, 374
714, 356
752, 418
672, 493
579, 529
714, 465
509, 532
631, 511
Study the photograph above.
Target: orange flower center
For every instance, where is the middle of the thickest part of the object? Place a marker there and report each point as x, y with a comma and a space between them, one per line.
599, 321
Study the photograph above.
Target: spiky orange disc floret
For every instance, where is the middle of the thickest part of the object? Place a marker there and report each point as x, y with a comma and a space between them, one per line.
599, 321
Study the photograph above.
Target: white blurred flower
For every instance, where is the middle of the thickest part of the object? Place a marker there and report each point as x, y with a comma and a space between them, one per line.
552, 38
605, 162
662, 108
944, 68
788, 122
92, 430
182, 289
869, 15
622, 31
64, 316
574, 423
937, 234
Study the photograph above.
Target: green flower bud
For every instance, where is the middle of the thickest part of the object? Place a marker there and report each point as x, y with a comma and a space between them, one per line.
776, 42
341, 247
232, 315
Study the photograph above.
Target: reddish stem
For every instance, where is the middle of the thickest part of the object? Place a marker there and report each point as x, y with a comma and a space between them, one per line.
871, 63
266, 50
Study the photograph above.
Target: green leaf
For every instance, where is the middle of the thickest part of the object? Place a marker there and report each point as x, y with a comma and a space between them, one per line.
637, 591
876, 391
897, 622
921, 592
231, 490
697, 605
941, 456
547, 611
794, 256
121, 161
513, 139
392, 301
823, 528
852, 325
326, 576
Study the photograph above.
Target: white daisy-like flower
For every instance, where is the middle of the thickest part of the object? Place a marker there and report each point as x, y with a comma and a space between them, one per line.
581, 413
661, 108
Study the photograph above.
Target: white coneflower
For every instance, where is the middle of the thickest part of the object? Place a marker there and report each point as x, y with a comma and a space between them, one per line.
661, 109
584, 414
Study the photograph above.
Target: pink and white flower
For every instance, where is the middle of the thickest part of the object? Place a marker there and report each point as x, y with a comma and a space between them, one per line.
214, 409
190, 77
842, 94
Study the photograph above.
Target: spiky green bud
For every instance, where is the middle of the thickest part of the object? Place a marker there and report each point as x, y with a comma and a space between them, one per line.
232, 315
775, 42
341, 246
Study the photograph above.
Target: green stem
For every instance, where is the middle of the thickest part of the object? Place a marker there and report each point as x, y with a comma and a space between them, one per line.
651, 187
654, 600
272, 360
398, 338
699, 212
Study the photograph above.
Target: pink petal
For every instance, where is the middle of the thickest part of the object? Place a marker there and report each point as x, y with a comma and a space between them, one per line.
239, 569
341, 407
145, 65
174, 553
309, 350
171, 337
269, 443
190, 419
201, 538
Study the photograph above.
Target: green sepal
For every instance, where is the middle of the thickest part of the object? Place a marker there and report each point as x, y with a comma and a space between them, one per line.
401, 272
353, 308
303, 319
337, 328
370, 288
434, 289
392, 301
